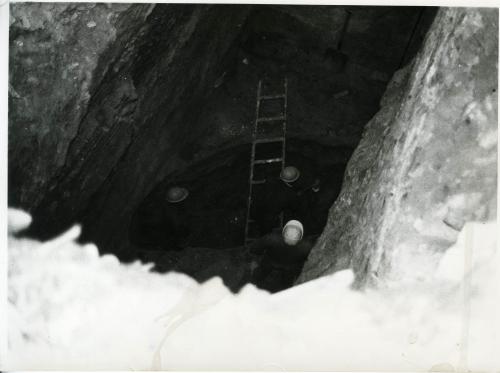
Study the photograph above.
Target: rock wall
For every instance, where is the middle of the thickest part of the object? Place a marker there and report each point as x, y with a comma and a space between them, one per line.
104, 124
427, 162
55, 67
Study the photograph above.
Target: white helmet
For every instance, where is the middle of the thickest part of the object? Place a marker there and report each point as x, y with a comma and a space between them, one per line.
293, 232
177, 194
289, 174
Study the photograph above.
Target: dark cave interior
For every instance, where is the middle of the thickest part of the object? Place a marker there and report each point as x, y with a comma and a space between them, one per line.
218, 186
186, 118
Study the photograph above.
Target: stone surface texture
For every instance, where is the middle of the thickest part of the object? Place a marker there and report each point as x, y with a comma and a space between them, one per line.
56, 65
89, 144
427, 161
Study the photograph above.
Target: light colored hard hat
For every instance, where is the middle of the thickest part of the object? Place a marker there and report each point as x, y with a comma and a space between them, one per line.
316, 186
293, 232
177, 194
289, 174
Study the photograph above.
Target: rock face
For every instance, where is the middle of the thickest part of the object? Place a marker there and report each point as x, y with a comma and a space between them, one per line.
427, 162
116, 127
56, 65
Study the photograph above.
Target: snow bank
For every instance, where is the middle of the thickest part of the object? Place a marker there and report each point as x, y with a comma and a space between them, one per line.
69, 308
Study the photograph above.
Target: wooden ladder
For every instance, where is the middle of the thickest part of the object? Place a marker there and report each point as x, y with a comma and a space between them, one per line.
269, 129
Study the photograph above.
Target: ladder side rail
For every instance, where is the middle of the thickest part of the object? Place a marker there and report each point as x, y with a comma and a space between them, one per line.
252, 157
285, 103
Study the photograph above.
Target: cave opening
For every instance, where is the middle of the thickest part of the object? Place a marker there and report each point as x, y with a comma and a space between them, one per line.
174, 104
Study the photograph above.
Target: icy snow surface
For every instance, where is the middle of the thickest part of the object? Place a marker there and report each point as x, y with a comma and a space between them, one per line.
70, 308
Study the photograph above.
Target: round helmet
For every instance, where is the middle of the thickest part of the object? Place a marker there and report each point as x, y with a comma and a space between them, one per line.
289, 174
293, 232
176, 194
316, 186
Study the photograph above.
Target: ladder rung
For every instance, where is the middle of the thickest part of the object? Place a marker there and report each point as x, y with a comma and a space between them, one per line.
269, 139
270, 160
271, 119
271, 97
258, 181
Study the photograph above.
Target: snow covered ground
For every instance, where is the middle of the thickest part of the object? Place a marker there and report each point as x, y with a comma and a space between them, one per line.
69, 308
